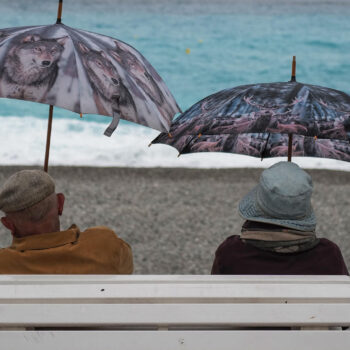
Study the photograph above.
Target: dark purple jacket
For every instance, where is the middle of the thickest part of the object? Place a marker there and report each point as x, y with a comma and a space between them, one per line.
234, 257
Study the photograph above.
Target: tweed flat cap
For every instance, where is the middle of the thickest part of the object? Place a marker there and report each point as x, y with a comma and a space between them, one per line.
24, 189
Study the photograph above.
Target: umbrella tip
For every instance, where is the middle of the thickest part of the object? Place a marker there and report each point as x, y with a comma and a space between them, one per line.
59, 12
178, 155
150, 144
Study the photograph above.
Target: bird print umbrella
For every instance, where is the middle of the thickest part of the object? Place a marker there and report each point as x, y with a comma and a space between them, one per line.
266, 120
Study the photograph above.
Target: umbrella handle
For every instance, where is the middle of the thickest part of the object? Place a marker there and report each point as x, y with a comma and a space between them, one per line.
59, 12
113, 125
48, 139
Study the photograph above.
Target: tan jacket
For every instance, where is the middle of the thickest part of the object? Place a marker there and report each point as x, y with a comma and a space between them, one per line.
97, 250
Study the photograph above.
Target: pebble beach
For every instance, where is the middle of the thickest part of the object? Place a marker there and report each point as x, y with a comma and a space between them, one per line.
175, 218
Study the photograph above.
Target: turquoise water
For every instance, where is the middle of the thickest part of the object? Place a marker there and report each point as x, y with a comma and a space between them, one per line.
229, 43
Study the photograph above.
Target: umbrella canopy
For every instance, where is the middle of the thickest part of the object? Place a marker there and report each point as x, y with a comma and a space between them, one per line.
258, 120
262, 145
83, 72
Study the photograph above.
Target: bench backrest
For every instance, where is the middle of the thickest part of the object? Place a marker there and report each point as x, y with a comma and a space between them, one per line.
198, 312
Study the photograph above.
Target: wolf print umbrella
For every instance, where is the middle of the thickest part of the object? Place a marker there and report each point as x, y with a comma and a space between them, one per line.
83, 72
266, 120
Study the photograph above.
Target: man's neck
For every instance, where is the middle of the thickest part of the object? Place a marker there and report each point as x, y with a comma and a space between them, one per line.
37, 230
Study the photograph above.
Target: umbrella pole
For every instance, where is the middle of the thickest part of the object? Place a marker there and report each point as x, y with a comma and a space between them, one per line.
293, 69
59, 11
290, 144
48, 139
290, 136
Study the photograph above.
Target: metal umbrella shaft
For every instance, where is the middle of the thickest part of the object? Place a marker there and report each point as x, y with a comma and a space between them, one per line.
49, 124
48, 139
290, 146
290, 136
59, 11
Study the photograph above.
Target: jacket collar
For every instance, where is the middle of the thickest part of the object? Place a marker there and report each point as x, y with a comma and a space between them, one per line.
46, 240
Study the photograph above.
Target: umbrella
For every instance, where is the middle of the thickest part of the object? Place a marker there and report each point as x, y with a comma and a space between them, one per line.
266, 120
83, 72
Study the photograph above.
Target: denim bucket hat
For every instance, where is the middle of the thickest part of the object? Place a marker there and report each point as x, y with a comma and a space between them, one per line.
282, 197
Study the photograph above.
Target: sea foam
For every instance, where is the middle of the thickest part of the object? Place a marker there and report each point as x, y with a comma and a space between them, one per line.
82, 143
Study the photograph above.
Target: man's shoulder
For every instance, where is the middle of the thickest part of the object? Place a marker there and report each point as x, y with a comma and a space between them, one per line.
7, 253
4, 250
98, 232
101, 234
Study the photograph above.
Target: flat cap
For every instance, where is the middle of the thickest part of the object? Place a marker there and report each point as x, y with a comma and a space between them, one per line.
24, 189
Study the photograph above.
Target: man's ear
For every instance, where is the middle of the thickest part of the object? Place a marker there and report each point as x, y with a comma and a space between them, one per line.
60, 203
8, 224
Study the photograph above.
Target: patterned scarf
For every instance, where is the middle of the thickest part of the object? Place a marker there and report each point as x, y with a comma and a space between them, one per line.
277, 238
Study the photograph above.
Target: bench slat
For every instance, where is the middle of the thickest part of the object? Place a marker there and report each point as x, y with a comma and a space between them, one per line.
182, 279
172, 340
184, 315
174, 293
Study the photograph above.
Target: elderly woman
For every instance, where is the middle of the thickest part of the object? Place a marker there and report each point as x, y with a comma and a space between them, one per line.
278, 236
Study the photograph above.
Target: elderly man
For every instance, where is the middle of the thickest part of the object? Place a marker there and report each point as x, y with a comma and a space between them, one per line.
278, 236
32, 210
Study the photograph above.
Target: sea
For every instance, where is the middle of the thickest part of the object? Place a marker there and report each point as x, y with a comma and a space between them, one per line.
198, 47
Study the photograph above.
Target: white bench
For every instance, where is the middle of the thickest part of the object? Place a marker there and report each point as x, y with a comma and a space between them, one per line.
174, 312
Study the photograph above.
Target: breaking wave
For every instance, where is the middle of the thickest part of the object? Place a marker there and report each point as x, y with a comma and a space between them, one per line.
82, 143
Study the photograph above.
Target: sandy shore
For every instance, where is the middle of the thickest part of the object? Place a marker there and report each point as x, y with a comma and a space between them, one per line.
174, 219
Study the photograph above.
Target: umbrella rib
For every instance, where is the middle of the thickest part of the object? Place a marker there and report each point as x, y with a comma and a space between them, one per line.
76, 60
14, 34
187, 143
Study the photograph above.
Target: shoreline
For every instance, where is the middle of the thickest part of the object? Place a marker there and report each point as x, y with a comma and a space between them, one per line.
174, 218
128, 148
